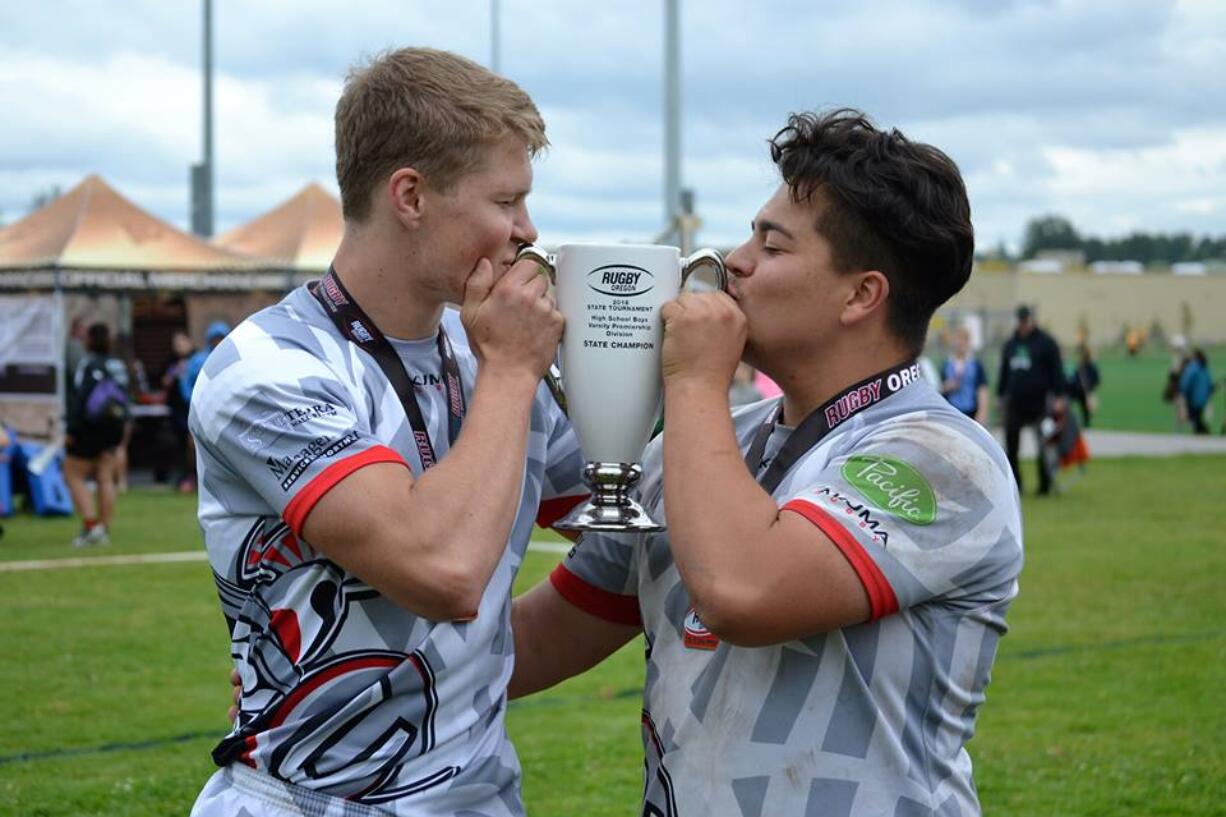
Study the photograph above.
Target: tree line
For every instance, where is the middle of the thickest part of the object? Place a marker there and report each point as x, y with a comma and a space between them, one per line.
1054, 232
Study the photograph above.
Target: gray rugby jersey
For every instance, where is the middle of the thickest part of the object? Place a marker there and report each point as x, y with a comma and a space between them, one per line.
343, 692
867, 720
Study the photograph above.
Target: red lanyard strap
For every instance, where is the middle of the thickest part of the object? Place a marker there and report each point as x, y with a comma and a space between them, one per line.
356, 326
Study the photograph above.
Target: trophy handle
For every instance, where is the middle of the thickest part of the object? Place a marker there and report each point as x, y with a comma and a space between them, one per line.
542, 259
553, 377
553, 380
705, 258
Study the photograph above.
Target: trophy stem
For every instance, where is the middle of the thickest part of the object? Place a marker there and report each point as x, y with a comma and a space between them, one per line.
610, 507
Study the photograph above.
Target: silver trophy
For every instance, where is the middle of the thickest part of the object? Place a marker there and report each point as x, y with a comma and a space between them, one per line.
611, 296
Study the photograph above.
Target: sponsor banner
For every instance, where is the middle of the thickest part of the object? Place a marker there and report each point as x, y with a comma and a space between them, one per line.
30, 349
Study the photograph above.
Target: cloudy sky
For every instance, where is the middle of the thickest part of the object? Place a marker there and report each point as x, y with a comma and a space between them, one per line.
1107, 111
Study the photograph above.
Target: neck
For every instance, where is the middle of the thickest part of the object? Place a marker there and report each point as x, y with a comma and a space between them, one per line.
809, 381
382, 284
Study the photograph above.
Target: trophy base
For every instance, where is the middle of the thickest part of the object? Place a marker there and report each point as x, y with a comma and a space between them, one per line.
610, 508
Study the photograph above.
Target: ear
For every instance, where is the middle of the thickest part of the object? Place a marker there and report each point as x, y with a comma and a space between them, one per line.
865, 298
406, 190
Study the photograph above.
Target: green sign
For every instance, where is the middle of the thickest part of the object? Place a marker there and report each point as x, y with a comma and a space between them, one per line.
893, 486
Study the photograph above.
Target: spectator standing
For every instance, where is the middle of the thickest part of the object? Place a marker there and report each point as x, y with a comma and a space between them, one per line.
1031, 384
97, 417
177, 403
743, 391
213, 336
74, 351
1083, 383
1170, 391
964, 381
1196, 387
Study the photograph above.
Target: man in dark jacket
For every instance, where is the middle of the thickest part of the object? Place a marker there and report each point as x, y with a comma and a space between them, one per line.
1031, 381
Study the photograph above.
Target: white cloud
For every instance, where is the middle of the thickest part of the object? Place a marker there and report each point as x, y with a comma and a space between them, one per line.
1104, 110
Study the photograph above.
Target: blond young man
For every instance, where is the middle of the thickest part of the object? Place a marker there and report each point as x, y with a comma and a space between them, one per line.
363, 548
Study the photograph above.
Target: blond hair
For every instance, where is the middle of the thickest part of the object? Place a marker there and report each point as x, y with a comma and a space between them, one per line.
427, 109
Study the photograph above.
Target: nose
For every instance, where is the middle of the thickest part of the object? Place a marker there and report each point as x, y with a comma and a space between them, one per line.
737, 262
524, 231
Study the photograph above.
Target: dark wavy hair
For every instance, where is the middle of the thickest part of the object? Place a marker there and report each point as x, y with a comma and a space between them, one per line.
884, 203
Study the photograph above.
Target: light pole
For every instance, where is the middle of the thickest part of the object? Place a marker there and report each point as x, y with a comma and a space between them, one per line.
672, 118
202, 173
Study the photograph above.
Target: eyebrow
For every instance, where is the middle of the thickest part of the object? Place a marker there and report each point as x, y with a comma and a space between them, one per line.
765, 226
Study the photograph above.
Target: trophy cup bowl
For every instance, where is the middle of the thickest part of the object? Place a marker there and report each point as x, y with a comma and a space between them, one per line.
610, 295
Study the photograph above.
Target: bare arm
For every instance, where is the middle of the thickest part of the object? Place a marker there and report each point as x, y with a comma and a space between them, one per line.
755, 575
554, 640
425, 543
983, 395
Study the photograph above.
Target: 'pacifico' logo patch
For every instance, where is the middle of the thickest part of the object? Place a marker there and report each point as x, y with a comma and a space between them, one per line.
621, 280
893, 486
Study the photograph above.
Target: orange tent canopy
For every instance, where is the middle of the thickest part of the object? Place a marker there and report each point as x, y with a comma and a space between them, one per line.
92, 226
302, 232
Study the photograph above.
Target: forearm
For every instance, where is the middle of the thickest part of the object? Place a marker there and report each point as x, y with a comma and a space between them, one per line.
718, 516
486, 464
555, 640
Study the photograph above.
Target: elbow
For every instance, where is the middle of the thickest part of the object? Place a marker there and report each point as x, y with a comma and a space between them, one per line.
729, 614
441, 593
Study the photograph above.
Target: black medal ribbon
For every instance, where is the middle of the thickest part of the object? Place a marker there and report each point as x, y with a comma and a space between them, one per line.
822, 420
357, 327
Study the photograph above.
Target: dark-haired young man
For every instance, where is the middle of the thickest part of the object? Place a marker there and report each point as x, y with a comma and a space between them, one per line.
822, 614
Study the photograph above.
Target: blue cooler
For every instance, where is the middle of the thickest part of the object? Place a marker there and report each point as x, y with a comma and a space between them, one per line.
48, 492
7, 455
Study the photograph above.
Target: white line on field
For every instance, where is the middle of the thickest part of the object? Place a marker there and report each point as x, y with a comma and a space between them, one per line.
181, 556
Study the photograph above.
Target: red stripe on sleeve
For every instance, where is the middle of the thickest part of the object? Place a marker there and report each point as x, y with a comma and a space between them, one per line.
881, 596
551, 510
612, 607
296, 511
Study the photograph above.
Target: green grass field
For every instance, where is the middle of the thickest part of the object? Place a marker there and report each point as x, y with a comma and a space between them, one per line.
1105, 698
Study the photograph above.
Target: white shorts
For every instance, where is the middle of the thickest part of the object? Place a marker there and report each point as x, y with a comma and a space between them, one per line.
237, 791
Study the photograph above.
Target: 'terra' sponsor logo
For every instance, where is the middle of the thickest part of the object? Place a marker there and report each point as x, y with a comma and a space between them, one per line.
621, 280
893, 486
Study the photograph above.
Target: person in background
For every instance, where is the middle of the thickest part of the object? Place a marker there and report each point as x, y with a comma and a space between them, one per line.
213, 336
96, 421
1031, 384
743, 391
1170, 391
1196, 387
1083, 383
74, 351
138, 384
177, 402
964, 380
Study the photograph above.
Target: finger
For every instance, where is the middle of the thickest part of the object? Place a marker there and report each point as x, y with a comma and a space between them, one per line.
671, 311
480, 282
232, 714
525, 270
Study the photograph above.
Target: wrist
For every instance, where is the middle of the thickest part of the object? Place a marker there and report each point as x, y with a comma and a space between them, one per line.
509, 377
695, 387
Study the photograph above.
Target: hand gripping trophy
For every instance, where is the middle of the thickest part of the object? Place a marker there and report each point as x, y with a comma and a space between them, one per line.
610, 295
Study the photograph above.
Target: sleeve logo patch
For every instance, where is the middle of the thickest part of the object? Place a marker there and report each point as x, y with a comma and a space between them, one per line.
893, 486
